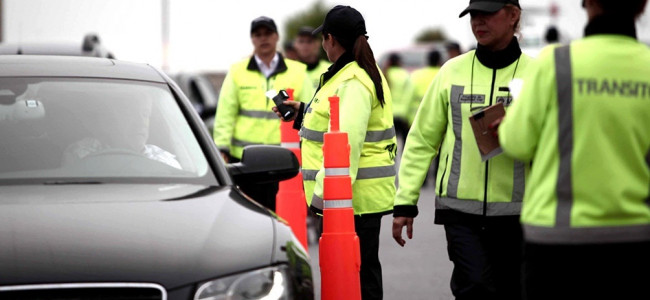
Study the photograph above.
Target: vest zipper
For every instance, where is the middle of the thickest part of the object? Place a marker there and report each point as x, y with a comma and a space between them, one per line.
266, 89
487, 162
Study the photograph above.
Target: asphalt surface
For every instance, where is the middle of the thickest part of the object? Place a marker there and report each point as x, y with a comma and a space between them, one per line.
419, 270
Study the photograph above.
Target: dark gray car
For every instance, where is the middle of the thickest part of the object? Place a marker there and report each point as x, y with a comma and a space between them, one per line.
111, 189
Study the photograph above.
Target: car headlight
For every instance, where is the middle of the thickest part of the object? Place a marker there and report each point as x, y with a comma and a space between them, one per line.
271, 283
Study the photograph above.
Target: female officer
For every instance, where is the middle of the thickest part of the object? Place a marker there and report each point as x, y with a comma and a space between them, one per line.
583, 118
366, 115
477, 201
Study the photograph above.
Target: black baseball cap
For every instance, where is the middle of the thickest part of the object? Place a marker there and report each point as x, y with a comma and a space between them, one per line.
345, 23
306, 31
488, 6
263, 22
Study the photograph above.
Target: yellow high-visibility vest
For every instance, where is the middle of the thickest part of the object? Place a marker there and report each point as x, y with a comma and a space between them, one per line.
583, 118
244, 116
371, 136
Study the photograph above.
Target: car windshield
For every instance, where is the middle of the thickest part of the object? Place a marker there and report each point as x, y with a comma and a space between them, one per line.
71, 130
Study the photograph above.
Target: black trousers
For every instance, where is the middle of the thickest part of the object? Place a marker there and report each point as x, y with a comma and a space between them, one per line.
263, 193
487, 260
597, 271
401, 129
367, 228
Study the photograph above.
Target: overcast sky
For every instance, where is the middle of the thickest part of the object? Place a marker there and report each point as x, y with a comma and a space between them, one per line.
212, 34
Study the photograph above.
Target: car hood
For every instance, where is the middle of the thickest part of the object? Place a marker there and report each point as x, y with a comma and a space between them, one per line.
125, 233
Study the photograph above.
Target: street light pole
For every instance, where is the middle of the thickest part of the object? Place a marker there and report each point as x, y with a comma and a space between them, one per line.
165, 34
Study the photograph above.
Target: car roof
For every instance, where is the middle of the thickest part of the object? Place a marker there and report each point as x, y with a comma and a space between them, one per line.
72, 66
43, 49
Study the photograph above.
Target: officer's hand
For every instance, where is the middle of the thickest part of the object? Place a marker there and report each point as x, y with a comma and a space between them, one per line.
495, 126
398, 224
294, 104
225, 157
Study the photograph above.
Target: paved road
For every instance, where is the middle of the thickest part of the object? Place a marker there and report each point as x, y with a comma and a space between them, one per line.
420, 270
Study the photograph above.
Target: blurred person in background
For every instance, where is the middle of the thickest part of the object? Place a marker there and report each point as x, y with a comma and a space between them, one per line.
308, 52
290, 51
552, 35
478, 201
401, 90
244, 115
421, 79
453, 49
583, 120
308, 47
366, 116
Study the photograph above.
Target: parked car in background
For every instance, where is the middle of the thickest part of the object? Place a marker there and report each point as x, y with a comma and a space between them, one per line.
90, 46
414, 56
112, 189
202, 88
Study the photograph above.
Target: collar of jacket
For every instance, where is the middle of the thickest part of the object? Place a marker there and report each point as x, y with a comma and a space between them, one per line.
345, 59
611, 24
313, 65
282, 67
499, 59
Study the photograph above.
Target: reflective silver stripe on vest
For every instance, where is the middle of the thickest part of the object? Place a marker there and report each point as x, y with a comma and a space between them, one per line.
371, 136
337, 171
290, 145
518, 182
312, 135
376, 172
564, 82
309, 174
337, 203
259, 114
317, 202
582, 235
240, 143
457, 122
475, 207
376, 136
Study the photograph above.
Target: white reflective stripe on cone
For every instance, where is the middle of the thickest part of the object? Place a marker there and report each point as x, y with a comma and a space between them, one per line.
337, 203
290, 145
337, 171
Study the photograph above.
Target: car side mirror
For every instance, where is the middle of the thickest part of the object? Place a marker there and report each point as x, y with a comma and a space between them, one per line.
264, 164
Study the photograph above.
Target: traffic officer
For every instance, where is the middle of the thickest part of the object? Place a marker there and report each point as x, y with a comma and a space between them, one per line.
244, 115
401, 88
583, 119
421, 78
478, 202
366, 115
453, 49
308, 51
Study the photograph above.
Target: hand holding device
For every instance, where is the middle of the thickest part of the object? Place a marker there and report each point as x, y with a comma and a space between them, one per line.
285, 110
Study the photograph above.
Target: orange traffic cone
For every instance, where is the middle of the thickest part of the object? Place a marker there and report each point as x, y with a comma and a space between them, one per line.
340, 258
290, 199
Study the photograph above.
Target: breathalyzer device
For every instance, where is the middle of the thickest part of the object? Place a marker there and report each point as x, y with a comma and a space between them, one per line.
285, 110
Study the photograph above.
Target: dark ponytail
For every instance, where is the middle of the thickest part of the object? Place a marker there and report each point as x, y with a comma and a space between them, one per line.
366, 59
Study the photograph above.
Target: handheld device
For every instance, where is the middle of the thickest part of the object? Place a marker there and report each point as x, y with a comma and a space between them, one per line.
285, 110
